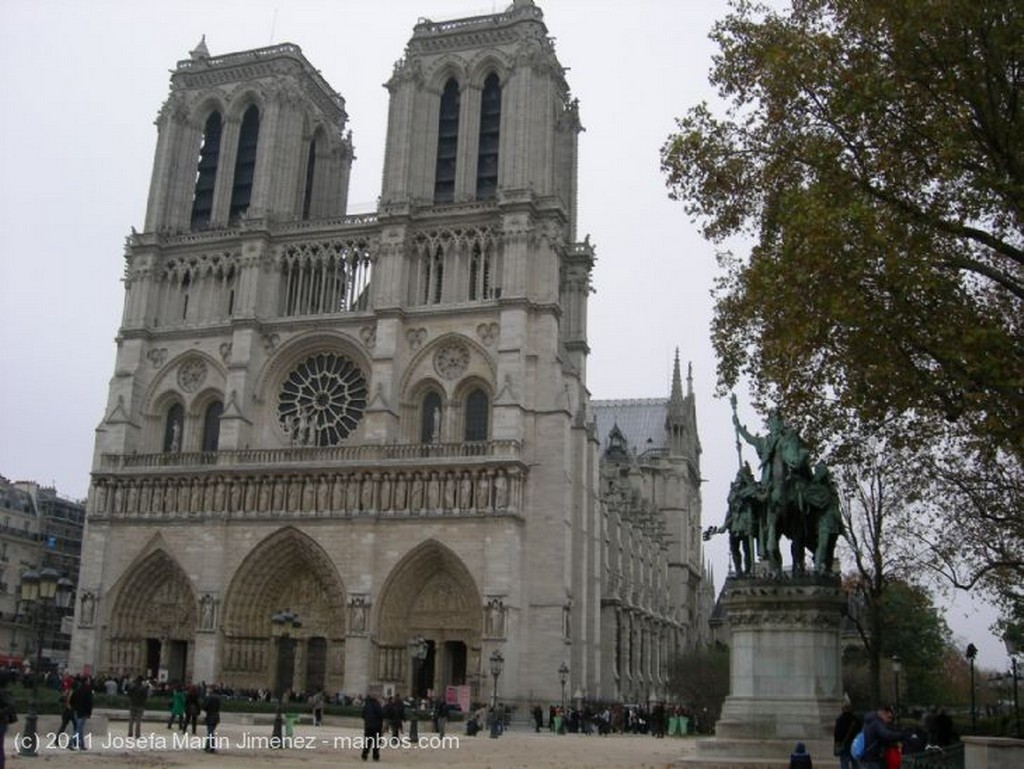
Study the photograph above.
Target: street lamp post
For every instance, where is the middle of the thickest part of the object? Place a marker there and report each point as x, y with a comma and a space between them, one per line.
897, 668
40, 590
281, 624
972, 652
1013, 650
497, 663
563, 676
418, 653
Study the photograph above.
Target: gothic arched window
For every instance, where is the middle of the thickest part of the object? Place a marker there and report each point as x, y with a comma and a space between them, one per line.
211, 426
433, 276
245, 163
480, 274
430, 419
476, 416
307, 198
186, 284
206, 173
174, 424
447, 143
490, 124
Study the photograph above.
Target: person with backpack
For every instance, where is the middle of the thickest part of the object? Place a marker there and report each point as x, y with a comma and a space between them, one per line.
869, 745
846, 728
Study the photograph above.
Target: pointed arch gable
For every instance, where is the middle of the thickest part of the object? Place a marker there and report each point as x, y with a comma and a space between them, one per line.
444, 69
242, 97
483, 64
286, 570
154, 597
295, 350
420, 368
426, 385
203, 107
164, 383
470, 383
430, 588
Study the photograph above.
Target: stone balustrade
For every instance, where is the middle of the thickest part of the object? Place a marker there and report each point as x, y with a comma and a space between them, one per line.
315, 456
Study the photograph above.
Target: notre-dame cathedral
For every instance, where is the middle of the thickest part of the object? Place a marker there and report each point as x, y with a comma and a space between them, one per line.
328, 435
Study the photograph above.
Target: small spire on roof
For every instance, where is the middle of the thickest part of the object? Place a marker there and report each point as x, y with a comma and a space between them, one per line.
200, 51
677, 383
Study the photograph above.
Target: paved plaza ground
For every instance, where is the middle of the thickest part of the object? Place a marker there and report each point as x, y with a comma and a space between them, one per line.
331, 745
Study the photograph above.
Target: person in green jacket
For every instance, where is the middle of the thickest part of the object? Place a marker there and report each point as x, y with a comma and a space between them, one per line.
177, 708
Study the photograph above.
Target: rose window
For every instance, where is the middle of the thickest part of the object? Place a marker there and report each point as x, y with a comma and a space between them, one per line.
191, 375
451, 360
322, 400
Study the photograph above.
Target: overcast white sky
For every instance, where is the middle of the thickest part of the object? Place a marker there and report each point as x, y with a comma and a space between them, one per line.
81, 83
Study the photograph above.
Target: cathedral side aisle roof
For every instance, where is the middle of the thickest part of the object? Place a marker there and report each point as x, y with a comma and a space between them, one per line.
640, 420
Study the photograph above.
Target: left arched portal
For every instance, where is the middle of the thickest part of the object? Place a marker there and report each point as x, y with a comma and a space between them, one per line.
153, 620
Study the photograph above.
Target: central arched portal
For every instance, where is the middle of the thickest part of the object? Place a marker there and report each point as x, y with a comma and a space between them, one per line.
430, 593
286, 572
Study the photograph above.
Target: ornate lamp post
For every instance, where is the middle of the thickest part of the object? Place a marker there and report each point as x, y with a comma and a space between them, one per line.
1013, 650
497, 663
897, 668
417, 653
281, 625
563, 676
40, 592
972, 652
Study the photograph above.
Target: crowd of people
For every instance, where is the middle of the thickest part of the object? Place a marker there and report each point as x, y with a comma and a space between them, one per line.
617, 718
882, 742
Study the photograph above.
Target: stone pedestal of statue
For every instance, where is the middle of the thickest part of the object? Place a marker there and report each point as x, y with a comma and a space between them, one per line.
785, 680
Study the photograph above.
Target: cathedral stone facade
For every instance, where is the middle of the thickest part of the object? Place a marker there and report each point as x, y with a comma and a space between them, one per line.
379, 424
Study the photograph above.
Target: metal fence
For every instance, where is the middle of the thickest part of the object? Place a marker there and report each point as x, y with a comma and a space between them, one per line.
951, 757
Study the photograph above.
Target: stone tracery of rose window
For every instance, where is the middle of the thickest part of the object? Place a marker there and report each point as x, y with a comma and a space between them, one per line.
322, 400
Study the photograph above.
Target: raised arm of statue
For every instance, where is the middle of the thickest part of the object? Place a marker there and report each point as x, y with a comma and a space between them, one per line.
754, 440
742, 431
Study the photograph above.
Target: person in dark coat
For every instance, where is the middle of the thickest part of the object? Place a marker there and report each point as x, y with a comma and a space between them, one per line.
212, 707
396, 716
67, 713
944, 733
373, 725
440, 715
192, 708
846, 728
878, 735
8, 713
81, 703
138, 692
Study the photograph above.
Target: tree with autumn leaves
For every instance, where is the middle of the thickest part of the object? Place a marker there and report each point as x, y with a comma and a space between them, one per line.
873, 153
